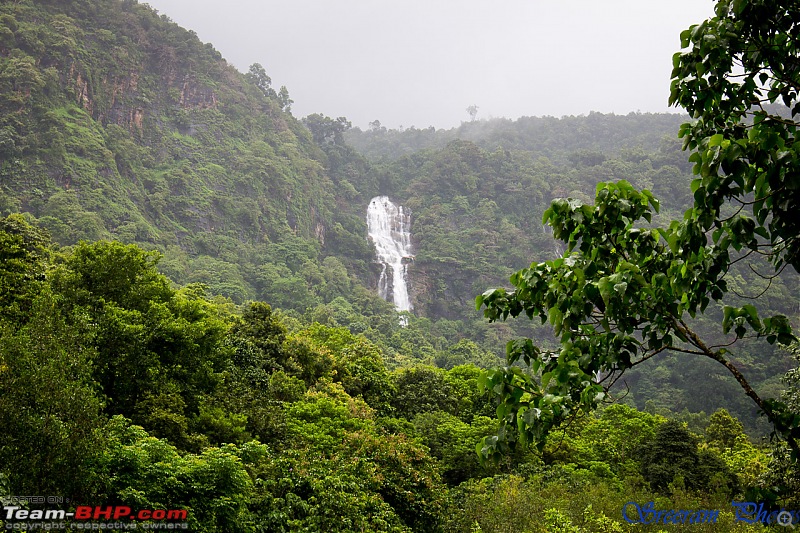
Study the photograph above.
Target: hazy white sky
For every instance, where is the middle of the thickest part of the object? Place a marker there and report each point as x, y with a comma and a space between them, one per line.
423, 62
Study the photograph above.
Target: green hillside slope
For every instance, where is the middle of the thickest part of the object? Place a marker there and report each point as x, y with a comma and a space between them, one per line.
117, 123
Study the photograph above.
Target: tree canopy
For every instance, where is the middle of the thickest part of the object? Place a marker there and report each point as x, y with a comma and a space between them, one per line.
739, 79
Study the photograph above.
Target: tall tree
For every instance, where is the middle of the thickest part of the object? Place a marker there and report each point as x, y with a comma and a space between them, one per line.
23, 262
49, 407
326, 130
258, 77
623, 292
284, 100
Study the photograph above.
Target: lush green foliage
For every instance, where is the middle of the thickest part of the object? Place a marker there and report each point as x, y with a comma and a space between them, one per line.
737, 64
106, 342
251, 427
618, 297
140, 371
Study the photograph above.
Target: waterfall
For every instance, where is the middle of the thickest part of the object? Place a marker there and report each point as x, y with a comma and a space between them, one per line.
390, 231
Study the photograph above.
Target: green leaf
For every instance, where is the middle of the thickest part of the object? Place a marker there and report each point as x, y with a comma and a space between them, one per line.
685, 36
761, 231
727, 317
547, 214
556, 317
672, 241
605, 287
752, 316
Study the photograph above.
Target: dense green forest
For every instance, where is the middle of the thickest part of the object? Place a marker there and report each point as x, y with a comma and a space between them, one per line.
118, 388
189, 315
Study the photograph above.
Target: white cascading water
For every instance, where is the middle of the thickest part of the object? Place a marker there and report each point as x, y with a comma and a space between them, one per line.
390, 231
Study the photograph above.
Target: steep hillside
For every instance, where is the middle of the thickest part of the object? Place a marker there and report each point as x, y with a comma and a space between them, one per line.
117, 123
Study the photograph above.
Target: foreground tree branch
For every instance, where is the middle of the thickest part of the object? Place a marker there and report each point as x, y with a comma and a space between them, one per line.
645, 281
612, 311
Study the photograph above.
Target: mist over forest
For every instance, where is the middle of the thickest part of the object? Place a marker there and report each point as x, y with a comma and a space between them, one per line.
257, 321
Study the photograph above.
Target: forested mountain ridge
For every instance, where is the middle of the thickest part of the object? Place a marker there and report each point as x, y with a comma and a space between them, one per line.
541, 136
127, 76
